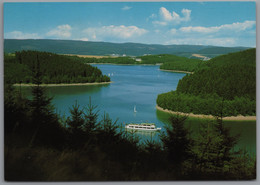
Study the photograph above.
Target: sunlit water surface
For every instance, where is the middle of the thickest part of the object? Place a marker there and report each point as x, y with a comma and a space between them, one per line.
137, 85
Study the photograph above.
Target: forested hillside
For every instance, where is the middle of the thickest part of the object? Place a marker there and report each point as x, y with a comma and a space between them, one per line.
225, 85
106, 48
181, 63
110, 60
169, 62
20, 68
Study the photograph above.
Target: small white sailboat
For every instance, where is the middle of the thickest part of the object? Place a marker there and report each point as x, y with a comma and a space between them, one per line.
135, 109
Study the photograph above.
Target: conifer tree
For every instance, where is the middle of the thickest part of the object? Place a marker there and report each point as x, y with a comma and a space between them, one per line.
76, 121
75, 124
177, 143
91, 117
215, 149
44, 122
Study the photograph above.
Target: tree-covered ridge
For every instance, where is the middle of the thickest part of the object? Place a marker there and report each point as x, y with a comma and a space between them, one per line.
229, 76
181, 63
54, 68
169, 62
166, 59
207, 104
107, 49
109, 60
227, 81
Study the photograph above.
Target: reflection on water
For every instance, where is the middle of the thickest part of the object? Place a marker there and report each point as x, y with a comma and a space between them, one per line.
142, 132
66, 90
144, 135
75, 90
135, 86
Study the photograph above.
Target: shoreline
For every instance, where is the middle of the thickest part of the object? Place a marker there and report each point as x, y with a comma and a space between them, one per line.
176, 71
90, 56
125, 64
63, 84
202, 116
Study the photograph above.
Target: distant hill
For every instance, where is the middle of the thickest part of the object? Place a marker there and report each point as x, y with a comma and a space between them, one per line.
106, 48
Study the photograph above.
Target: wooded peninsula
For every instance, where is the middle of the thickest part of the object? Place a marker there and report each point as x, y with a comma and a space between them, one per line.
223, 86
54, 69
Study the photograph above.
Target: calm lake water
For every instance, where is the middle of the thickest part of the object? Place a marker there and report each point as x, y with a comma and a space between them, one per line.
136, 85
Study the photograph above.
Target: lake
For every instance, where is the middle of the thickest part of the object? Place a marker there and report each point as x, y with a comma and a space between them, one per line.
137, 85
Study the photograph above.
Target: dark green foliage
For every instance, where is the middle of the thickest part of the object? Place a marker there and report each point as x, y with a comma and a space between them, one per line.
54, 69
82, 125
91, 117
228, 76
177, 143
206, 104
169, 62
112, 60
229, 80
15, 108
189, 66
108, 126
42, 117
76, 120
181, 63
216, 157
77, 137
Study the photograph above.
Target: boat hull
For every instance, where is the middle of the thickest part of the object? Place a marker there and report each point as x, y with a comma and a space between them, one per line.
142, 127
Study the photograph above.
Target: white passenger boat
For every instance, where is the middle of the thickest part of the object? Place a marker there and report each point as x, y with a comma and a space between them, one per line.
142, 126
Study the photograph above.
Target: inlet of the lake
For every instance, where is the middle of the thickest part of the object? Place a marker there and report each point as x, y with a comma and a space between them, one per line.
137, 86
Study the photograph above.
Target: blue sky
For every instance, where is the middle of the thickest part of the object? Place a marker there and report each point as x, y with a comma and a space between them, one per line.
199, 23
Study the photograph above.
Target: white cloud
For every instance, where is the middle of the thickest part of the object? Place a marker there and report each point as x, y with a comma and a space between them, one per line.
122, 32
224, 35
173, 17
61, 31
166, 15
199, 29
21, 35
126, 8
186, 14
160, 23
238, 26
